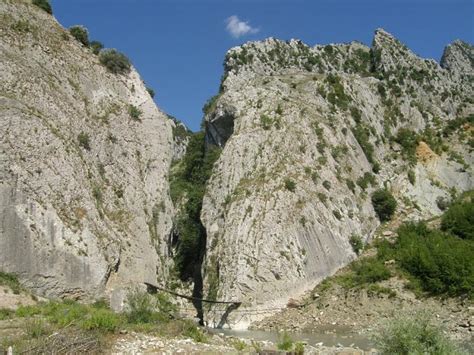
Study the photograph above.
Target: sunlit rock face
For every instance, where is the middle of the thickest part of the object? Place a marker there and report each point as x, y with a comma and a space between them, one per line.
313, 133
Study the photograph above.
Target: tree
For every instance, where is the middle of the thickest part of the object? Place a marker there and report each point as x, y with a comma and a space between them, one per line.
80, 33
384, 204
44, 4
114, 61
96, 47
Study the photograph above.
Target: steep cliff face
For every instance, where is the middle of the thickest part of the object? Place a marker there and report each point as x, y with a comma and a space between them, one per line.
84, 158
308, 134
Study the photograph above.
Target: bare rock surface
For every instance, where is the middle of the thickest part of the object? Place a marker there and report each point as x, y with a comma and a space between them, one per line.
84, 201
308, 134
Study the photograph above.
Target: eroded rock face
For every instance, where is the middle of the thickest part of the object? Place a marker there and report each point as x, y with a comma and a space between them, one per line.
84, 200
313, 136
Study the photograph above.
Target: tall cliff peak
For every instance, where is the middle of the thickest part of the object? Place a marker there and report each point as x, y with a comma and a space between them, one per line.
84, 157
459, 57
308, 134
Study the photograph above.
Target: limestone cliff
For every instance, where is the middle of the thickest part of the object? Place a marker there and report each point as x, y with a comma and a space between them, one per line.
308, 134
84, 159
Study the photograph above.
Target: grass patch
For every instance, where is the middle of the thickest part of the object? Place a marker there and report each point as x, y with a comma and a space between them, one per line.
11, 281
412, 335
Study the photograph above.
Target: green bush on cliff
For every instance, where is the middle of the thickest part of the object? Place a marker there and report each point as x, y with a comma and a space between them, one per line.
188, 184
384, 204
437, 262
459, 220
96, 47
114, 61
44, 4
80, 33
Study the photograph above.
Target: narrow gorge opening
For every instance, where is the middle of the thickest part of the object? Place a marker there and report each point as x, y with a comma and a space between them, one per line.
188, 179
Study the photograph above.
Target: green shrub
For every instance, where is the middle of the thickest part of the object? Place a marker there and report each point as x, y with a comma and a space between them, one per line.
327, 185
412, 335
356, 243
80, 33
285, 342
44, 5
134, 112
151, 92
411, 177
408, 141
337, 214
188, 183
370, 270
10, 280
141, 308
290, 185
384, 204
459, 220
362, 135
6, 313
350, 184
96, 47
195, 333
102, 319
439, 262
210, 104
114, 61
364, 181
84, 141
36, 328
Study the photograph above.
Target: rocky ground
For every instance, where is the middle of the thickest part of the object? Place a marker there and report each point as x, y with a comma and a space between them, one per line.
364, 309
135, 343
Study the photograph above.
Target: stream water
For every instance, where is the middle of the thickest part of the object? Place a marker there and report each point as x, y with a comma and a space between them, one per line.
328, 336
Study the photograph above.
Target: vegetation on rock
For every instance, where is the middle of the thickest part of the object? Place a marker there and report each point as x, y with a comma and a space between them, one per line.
80, 33
384, 204
413, 335
187, 186
44, 4
114, 61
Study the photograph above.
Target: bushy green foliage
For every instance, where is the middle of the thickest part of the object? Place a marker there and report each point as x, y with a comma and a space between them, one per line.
409, 141
459, 220
114, 61
411, 176
362, 135
454, 125
210, 104
384, 204
96, 47
365, 180
84, 140
151, 92
438, 262
69, 313
145, 308
102, 319
337, 96
285, 342
356, 243
43, 4
188, 183
134, 112
370, 270
193, 332
290, 185
11, 281
413, 335
363, 273
80, 33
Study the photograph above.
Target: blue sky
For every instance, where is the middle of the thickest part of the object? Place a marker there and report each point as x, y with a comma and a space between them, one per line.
178, 46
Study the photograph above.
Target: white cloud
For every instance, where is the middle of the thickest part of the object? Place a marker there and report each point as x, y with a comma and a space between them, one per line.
238, 28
